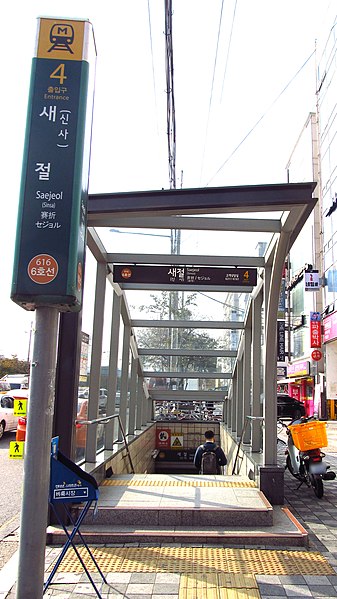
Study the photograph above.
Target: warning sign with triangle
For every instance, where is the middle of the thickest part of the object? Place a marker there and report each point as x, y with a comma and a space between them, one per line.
177, 441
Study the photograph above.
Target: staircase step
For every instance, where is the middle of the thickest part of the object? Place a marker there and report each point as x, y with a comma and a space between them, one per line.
181, 500
286, 531
195, 516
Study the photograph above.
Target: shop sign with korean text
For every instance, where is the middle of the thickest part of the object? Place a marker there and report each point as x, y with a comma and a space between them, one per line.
301, 368
330, 327
281, 341
311, 280
51, 229
315, 330
184, 275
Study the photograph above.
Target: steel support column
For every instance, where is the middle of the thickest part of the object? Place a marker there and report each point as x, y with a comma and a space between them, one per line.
270, 429
133, 396
113, 367
247, 381
125, 376
234, 401
139, 403
256, 369
96, 357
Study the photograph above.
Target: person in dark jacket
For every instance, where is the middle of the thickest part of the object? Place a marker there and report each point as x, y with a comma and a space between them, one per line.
210, 445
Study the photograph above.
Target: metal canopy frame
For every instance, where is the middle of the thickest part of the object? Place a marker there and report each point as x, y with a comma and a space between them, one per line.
195, 209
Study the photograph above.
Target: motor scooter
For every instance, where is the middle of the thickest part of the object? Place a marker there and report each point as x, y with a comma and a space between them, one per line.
304, 458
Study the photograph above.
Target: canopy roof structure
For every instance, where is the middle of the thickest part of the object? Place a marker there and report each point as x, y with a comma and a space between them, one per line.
275, 212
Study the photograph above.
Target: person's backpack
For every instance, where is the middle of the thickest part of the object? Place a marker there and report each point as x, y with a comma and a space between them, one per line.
208, 463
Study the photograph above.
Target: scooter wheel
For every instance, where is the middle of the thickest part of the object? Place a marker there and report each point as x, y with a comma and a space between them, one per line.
289, 466
317, 484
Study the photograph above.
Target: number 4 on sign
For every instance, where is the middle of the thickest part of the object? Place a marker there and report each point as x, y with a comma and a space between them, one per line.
59, 73
16, 450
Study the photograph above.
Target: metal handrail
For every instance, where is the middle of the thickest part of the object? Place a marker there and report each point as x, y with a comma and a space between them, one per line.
104, 420
248, 418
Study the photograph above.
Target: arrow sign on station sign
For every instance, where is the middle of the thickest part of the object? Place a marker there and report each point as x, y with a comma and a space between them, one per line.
193, 275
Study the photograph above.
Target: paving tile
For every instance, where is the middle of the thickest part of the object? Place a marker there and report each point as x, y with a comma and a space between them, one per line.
139, 588
316, 580
322, 591
271, 590
295, 590
168, 589
293, 579
118, 577
267, 579
143, 577
167, 578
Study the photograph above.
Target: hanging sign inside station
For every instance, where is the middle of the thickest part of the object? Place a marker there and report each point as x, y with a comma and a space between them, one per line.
51, 229
184, 275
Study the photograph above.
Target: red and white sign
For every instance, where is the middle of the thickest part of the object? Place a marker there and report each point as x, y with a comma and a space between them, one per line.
315, 334
43, 269
163, 438
316, 355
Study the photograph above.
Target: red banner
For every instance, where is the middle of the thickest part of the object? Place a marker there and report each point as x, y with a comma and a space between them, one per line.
315, 334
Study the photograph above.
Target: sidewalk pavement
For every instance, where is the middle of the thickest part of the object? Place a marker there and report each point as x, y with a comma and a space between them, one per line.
318, 516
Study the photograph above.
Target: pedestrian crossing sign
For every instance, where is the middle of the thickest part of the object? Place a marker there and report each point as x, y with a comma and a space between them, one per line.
16, 450
20, 407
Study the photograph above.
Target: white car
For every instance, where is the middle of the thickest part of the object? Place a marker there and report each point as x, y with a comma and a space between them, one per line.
8, 422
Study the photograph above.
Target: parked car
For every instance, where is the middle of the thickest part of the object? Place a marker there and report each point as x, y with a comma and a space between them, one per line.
16, 381
4, 387
289, 407
8, 422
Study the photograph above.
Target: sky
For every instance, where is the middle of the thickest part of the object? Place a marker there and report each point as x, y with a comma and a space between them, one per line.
243, 91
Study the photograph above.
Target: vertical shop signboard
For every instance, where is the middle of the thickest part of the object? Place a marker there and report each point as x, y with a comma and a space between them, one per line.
281, 341
51, 230
315, 330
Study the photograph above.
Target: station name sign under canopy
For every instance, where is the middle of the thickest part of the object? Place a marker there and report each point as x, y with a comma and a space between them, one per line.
193, 275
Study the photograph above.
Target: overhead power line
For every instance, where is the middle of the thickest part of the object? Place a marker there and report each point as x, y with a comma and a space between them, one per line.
152, 60
211, 94
228, 49
171, 118
260, 119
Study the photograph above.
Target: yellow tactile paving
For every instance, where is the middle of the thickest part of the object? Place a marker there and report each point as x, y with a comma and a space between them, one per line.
200, 560
218, 586
176, 483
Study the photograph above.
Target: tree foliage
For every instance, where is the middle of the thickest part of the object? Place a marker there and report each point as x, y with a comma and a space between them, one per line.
180, 308
13, 366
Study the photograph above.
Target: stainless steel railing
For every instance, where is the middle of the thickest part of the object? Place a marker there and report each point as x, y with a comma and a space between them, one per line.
104, 420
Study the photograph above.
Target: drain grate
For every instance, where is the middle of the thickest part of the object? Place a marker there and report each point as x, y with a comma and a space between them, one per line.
177, 483
225, 562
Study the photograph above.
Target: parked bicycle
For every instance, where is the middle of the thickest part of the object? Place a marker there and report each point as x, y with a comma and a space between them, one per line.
304, 457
